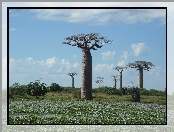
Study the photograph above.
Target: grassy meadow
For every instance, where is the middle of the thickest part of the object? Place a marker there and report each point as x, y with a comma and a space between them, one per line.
106, 107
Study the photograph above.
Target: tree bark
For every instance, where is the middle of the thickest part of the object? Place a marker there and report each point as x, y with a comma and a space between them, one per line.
72, 82
140, 77
121, 79
86, 90
115, 83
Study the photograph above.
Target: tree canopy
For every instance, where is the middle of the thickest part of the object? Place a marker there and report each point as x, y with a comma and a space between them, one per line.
82, 40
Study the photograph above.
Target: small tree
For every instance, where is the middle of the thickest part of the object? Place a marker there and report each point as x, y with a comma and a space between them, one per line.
99, 80
72, 76
141, 65
54, 87
36, 88
120, 69
14, 89
115, 78
17, 89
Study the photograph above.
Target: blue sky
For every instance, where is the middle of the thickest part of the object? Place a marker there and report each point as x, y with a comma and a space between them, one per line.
36, 49
118, 51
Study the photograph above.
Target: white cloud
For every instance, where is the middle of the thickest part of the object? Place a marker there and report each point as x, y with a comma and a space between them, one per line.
41, 63
140, 49
123, 62
103, 68
140, 15
66, 64
65, 75
105, 19
108, 55
11, 63
59, 69
51, 61
158, 71
12, 29
125, 55
100, 16
23, 69
73, 16
75, 65
29, 59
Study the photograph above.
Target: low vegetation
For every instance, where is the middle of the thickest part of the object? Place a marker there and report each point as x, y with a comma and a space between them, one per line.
37, 90
85, 112
63, 105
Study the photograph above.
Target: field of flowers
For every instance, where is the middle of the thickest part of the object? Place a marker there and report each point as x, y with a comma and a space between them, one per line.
84, 112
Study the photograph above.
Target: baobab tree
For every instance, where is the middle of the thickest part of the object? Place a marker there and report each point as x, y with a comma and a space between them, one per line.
115, 78
120, 69
99, 80
141, 65
72, 76
86, 42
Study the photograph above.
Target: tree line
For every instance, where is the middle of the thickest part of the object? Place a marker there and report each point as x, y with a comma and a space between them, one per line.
37, 88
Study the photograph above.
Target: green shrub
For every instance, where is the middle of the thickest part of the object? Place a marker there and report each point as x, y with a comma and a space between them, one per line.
17, 90
36, 88
54, 87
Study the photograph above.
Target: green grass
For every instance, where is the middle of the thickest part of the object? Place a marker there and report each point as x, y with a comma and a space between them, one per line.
96, 97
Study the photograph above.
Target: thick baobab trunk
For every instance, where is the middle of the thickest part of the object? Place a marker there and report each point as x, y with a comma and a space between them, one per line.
72, 82
86, 90
140, 78
121, 79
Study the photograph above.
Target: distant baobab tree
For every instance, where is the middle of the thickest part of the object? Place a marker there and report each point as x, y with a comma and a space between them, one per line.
120, 69
115, 78
141, 65
99, 80
86, 42
72, 76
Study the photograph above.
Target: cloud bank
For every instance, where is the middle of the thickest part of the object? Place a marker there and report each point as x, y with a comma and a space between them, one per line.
98, 16
123, 62
30, 68
140, 49
108, 55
